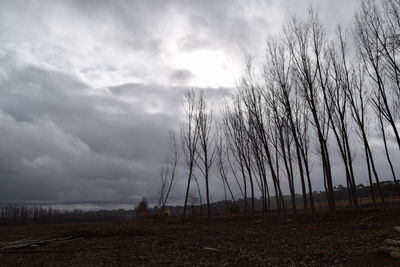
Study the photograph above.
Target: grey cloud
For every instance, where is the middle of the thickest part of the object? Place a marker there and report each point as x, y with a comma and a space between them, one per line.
132, 37
182, 76
150, 94
63, 146
62, 140
331, 13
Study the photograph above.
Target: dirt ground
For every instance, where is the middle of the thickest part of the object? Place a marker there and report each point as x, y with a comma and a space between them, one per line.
342, 238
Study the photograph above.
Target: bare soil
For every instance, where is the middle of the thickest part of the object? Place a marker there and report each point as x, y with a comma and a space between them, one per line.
323, 239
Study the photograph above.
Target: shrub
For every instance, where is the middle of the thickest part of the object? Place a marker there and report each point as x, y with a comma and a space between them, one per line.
142, 209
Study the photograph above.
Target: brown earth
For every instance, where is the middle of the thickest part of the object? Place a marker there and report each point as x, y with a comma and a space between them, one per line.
342, 238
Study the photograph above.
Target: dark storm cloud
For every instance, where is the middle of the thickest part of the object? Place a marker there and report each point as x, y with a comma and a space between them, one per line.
62, 140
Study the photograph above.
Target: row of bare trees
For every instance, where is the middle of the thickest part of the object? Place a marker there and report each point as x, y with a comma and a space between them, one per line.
22, 214
302, 105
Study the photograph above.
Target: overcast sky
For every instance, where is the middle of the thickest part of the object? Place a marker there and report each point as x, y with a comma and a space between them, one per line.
89, 89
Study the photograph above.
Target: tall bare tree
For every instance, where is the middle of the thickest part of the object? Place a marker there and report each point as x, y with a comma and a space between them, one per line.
168, 172
359, 98
383, 135
237, 137
277, 71
190, 138
376, 33
223, 170
337, 106
305, 42
207, 147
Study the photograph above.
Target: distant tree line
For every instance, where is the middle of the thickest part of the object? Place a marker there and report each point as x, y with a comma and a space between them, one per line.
312, 93
20, 214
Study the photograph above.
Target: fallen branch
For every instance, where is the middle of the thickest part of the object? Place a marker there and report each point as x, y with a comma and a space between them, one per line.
19, 244
18, 251
69, 240
213, 249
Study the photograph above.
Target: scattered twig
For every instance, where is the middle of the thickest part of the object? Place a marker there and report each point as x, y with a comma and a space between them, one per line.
213, 249
291, 261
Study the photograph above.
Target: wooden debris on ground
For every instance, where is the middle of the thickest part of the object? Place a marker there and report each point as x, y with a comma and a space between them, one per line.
392, 242
208, 248
24, 243
394, 250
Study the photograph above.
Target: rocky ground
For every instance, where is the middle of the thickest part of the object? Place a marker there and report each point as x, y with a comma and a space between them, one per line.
343, 238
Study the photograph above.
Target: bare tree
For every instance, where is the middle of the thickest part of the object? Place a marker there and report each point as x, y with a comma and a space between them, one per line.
238, 143
358, 99
222, 169
376, 33
190, 137
168, 172
207, 147
233, 168
200, 198
276, 119
337, 105
193, 200
277, 71
259, 117
382, 135
305, 42
259, 163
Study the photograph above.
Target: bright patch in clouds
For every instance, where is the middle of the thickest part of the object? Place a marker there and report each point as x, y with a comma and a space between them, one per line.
210, 68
